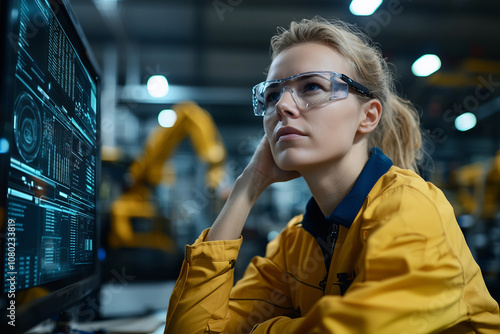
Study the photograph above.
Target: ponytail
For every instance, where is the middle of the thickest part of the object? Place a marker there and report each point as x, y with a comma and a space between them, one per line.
398, 133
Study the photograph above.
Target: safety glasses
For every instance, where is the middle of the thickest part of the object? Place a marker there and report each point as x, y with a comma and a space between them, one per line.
307, 89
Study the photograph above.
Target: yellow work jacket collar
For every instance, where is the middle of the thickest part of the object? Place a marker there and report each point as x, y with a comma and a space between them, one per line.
377, 165
325, 229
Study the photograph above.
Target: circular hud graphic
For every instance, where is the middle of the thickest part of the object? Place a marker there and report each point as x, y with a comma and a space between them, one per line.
27, 127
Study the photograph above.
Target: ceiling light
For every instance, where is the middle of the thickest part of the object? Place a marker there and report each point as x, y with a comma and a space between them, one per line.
157, 86
426, 65
466, 121
167, 118
364, 7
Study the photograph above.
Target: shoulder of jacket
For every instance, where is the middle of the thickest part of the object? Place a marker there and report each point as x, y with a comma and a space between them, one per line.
401, 191
398, 182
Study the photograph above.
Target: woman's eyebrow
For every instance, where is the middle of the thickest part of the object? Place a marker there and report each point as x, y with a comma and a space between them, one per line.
296, 77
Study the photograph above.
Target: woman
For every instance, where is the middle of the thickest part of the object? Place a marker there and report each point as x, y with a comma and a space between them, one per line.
378, 249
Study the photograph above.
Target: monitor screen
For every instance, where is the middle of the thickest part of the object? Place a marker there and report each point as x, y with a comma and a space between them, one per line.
49, 159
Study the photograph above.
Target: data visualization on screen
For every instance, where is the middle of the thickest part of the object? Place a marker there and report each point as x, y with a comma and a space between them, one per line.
51, 187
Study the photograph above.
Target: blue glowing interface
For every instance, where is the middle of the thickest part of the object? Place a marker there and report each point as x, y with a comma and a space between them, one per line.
51, 195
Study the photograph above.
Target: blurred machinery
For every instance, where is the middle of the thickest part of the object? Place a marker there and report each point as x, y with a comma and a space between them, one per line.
477, 188
135, 221
492, 190
477, 206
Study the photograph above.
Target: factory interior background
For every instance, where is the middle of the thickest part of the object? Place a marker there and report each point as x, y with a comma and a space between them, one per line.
166, 174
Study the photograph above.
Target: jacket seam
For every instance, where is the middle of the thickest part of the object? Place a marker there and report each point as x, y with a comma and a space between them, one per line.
310, 285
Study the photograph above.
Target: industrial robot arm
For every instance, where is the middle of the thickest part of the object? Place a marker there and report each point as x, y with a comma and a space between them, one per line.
147, 172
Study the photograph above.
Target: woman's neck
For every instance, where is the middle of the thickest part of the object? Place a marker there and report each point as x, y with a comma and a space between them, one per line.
332, 181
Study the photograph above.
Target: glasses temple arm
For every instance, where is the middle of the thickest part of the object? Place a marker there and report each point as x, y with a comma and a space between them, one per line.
358, 87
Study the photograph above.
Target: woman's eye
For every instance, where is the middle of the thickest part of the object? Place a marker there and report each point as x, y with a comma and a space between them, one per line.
311, 87
272, 97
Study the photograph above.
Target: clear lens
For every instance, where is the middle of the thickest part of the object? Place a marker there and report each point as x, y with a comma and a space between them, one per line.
307, 89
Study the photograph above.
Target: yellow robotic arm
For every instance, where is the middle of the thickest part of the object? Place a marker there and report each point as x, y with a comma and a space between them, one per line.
478, 188
147, 172
468, 183
492, 190
192, 121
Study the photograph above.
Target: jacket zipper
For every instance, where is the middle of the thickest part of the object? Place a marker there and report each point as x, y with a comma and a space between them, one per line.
333, 236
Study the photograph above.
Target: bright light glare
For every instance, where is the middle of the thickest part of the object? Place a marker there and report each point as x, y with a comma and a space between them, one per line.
157, 86
466, 121
167, 118
4, 146
426, 65
364, 7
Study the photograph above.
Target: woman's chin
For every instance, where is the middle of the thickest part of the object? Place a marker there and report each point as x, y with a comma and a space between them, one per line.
290, 164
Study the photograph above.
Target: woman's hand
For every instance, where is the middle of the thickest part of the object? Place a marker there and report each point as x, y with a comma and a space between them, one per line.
264, 167
257, 176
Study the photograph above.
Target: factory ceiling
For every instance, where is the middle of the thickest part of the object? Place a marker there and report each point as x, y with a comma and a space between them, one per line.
217, 50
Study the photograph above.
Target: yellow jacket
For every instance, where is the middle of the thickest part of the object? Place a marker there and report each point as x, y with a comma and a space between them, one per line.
400, 265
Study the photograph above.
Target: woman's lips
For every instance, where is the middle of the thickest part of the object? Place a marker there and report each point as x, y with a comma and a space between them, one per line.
288, 132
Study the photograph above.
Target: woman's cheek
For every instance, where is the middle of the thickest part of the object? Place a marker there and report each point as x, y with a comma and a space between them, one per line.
268, 127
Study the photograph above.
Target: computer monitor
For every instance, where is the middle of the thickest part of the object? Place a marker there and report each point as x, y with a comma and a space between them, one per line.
49, 163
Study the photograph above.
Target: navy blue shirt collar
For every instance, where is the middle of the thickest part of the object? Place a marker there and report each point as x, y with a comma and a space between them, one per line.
314, 221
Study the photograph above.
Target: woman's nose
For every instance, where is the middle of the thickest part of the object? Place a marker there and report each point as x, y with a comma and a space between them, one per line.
287, 104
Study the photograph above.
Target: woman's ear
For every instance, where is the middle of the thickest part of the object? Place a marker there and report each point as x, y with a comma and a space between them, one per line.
371, 112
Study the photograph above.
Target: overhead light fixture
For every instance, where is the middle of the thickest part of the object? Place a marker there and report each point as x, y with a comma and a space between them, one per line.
167, 118
426, 65
157, 86
364, 7
466, 121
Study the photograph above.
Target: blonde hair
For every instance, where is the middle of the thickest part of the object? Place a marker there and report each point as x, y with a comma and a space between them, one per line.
398, 133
